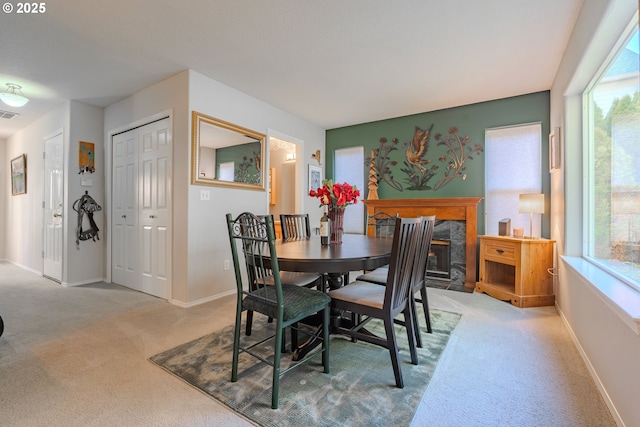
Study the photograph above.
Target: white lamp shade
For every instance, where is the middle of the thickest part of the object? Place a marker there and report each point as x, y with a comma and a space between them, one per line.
13, 96
13, 99
531, 203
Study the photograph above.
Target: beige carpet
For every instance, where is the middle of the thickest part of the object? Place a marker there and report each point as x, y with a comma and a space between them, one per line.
78, 357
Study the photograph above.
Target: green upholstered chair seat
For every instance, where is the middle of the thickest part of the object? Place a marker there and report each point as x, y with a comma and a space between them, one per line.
299, 302
295, 278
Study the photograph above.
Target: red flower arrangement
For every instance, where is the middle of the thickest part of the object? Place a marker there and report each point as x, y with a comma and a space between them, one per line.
336, 195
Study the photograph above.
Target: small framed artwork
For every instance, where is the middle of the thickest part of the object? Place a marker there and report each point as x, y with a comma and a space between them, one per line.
315, 177
86, 157
19, 175
554, 150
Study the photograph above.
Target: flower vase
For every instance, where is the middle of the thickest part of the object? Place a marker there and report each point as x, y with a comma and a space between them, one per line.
336, 215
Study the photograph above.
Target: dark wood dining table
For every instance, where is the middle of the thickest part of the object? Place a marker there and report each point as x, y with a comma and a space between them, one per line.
356, 252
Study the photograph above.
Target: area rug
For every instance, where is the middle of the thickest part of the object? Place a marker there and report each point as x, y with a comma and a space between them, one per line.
359, 391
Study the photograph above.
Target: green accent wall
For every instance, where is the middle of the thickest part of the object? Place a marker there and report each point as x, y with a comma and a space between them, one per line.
470, 120
239, 154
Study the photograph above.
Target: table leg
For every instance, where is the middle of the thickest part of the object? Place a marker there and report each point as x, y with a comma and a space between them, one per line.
333, 281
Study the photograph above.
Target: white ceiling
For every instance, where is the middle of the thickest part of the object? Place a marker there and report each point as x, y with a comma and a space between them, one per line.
332, 62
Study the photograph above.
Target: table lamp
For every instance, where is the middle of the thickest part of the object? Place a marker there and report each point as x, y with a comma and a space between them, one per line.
531, 203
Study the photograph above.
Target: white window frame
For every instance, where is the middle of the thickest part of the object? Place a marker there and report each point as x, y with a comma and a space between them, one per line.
589, 159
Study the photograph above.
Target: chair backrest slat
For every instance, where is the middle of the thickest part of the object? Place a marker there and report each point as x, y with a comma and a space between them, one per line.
295, 226
424, 247
381, 224
403, 254
253, 237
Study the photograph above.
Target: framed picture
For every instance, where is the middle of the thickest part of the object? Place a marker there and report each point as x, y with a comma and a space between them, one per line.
19, 175
554, 150
315, 177
86, 157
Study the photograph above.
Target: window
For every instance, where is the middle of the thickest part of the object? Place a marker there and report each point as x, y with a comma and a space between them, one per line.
349, 167
613, 189
227, 171
512, 167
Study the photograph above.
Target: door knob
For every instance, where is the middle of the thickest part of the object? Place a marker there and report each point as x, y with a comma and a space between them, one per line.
152, 216
124, 217
57, 215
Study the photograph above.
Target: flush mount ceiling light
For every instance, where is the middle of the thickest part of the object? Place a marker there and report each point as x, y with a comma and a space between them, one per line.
13, 96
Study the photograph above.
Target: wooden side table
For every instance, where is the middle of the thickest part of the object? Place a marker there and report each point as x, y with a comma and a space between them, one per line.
515, 270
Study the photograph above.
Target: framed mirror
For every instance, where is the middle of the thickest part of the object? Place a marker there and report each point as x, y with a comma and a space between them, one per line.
224, 154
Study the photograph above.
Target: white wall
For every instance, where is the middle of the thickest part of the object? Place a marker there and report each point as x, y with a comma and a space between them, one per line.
24, 212
171, 95
24, 220
200, 239
85, 265
610, 348
208, 237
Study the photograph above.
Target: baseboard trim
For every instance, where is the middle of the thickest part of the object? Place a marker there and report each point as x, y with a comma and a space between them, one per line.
84, 282
592, 371
202, 300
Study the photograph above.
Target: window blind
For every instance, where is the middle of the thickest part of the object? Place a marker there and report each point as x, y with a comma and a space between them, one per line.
512, 167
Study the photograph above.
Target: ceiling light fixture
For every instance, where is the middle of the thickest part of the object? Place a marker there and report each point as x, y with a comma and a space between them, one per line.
13, 96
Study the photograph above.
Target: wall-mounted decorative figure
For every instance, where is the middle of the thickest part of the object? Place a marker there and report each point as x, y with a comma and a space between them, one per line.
418, 148
257, 158
381, 161
316, 156
373, 179
85, 205
458, 152
419, 169
418, 175
242, 171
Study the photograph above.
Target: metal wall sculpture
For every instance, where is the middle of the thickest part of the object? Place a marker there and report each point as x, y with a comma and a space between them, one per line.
417, 168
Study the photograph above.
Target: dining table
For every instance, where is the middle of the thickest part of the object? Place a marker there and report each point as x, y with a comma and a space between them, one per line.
356, 252
335, 261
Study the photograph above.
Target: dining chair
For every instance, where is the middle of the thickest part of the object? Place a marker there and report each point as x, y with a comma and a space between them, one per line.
252, 242
309, 280
419, 276
295, 226
370, 301
419, 280
379, 224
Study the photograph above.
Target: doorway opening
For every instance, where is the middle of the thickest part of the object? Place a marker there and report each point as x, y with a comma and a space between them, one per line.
284, 156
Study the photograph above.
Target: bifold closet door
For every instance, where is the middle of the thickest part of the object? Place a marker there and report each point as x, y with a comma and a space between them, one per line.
141, 217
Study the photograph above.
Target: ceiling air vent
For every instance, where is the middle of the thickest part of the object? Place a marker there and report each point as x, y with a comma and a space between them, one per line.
7, 114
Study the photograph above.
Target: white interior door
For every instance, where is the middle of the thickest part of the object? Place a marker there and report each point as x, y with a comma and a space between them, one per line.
155, 208
141, 215
53, 207
124, 216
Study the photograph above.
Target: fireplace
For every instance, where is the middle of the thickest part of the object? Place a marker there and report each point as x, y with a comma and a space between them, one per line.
439, 263
459, 214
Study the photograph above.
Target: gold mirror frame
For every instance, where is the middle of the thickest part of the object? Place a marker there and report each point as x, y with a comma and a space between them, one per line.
225, 135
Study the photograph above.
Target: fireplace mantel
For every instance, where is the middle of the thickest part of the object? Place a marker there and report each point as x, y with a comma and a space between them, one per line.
449, 208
